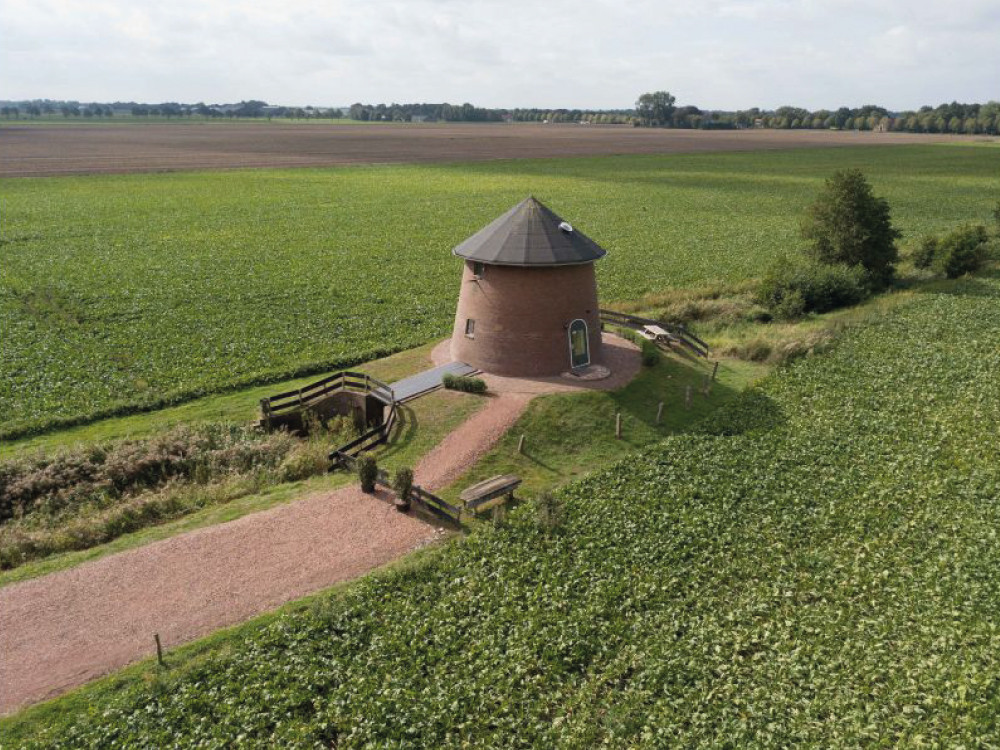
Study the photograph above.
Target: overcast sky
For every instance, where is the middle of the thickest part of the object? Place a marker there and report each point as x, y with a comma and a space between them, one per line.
722, 54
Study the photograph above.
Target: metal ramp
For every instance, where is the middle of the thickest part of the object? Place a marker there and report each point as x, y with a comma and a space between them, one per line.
426, 381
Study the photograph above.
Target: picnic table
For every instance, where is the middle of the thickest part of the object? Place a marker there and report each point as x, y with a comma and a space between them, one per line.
657, 333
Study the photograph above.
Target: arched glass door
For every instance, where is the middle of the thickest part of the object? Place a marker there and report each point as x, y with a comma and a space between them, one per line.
579, 345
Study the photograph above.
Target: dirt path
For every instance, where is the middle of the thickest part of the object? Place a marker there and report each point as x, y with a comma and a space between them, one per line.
65, 629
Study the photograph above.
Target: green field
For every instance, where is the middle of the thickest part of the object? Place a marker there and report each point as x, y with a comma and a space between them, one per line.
817, 565
132, 291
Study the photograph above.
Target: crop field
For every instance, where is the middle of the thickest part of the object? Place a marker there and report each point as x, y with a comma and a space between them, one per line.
126, 292
817, 565
31, 150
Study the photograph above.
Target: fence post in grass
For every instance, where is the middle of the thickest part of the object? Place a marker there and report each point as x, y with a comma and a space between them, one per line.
159, 650
618, 425
687, 397
520, 444
715, 371
659, 412
265, 409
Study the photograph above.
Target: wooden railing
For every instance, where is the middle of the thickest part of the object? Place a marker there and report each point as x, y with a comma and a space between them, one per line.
310, 394
678, 332
375, 436
283, 404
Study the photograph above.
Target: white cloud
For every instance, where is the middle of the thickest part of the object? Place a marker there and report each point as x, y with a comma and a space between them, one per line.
603, 53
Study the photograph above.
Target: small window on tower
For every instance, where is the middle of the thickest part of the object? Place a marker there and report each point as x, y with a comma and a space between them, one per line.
470, 328
478, 269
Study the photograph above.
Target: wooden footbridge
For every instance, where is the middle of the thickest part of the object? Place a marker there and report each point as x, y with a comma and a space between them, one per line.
373, 403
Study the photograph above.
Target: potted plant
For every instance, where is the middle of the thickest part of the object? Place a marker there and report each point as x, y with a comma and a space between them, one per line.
367, 473
402, 485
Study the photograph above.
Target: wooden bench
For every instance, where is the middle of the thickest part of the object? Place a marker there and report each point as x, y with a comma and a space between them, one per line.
490, 493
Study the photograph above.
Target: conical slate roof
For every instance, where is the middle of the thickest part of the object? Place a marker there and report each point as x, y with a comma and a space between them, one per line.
530, 235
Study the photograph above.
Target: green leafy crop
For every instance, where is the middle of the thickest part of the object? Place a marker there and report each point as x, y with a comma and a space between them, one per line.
119, 293
825, 575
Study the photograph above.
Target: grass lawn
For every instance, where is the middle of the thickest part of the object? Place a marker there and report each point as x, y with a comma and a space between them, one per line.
569, 435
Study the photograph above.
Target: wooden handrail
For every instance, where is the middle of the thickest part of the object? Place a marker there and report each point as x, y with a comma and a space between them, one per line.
688, 339
305, 395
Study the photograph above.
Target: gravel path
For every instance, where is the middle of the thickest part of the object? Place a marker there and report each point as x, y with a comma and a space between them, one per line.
64, 629
470, 441
619, 355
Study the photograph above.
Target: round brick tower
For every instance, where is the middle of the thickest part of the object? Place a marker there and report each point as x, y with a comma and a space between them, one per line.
528, 301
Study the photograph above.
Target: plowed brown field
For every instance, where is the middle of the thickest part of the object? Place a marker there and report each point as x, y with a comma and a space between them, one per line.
55, 150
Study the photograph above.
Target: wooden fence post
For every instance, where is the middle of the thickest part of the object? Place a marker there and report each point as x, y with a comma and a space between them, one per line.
618, 425
159, 649
715, 371
265, 409
520, 444
659, 412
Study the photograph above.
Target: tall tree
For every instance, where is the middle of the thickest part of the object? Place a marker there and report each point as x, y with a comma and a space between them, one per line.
655, 109
849, 224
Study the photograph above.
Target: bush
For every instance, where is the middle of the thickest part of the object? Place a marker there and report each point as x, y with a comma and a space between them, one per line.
925, 252
848, 225
90, 495
962, 251
367, 472
402, 485
792, 288
70, 480
338, 428
650, 353
791, 306
308, 459
551, 512
463, 383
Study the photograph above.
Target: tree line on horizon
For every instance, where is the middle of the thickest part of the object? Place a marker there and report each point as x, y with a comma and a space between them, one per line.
654, 109
657, 109
244, 109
